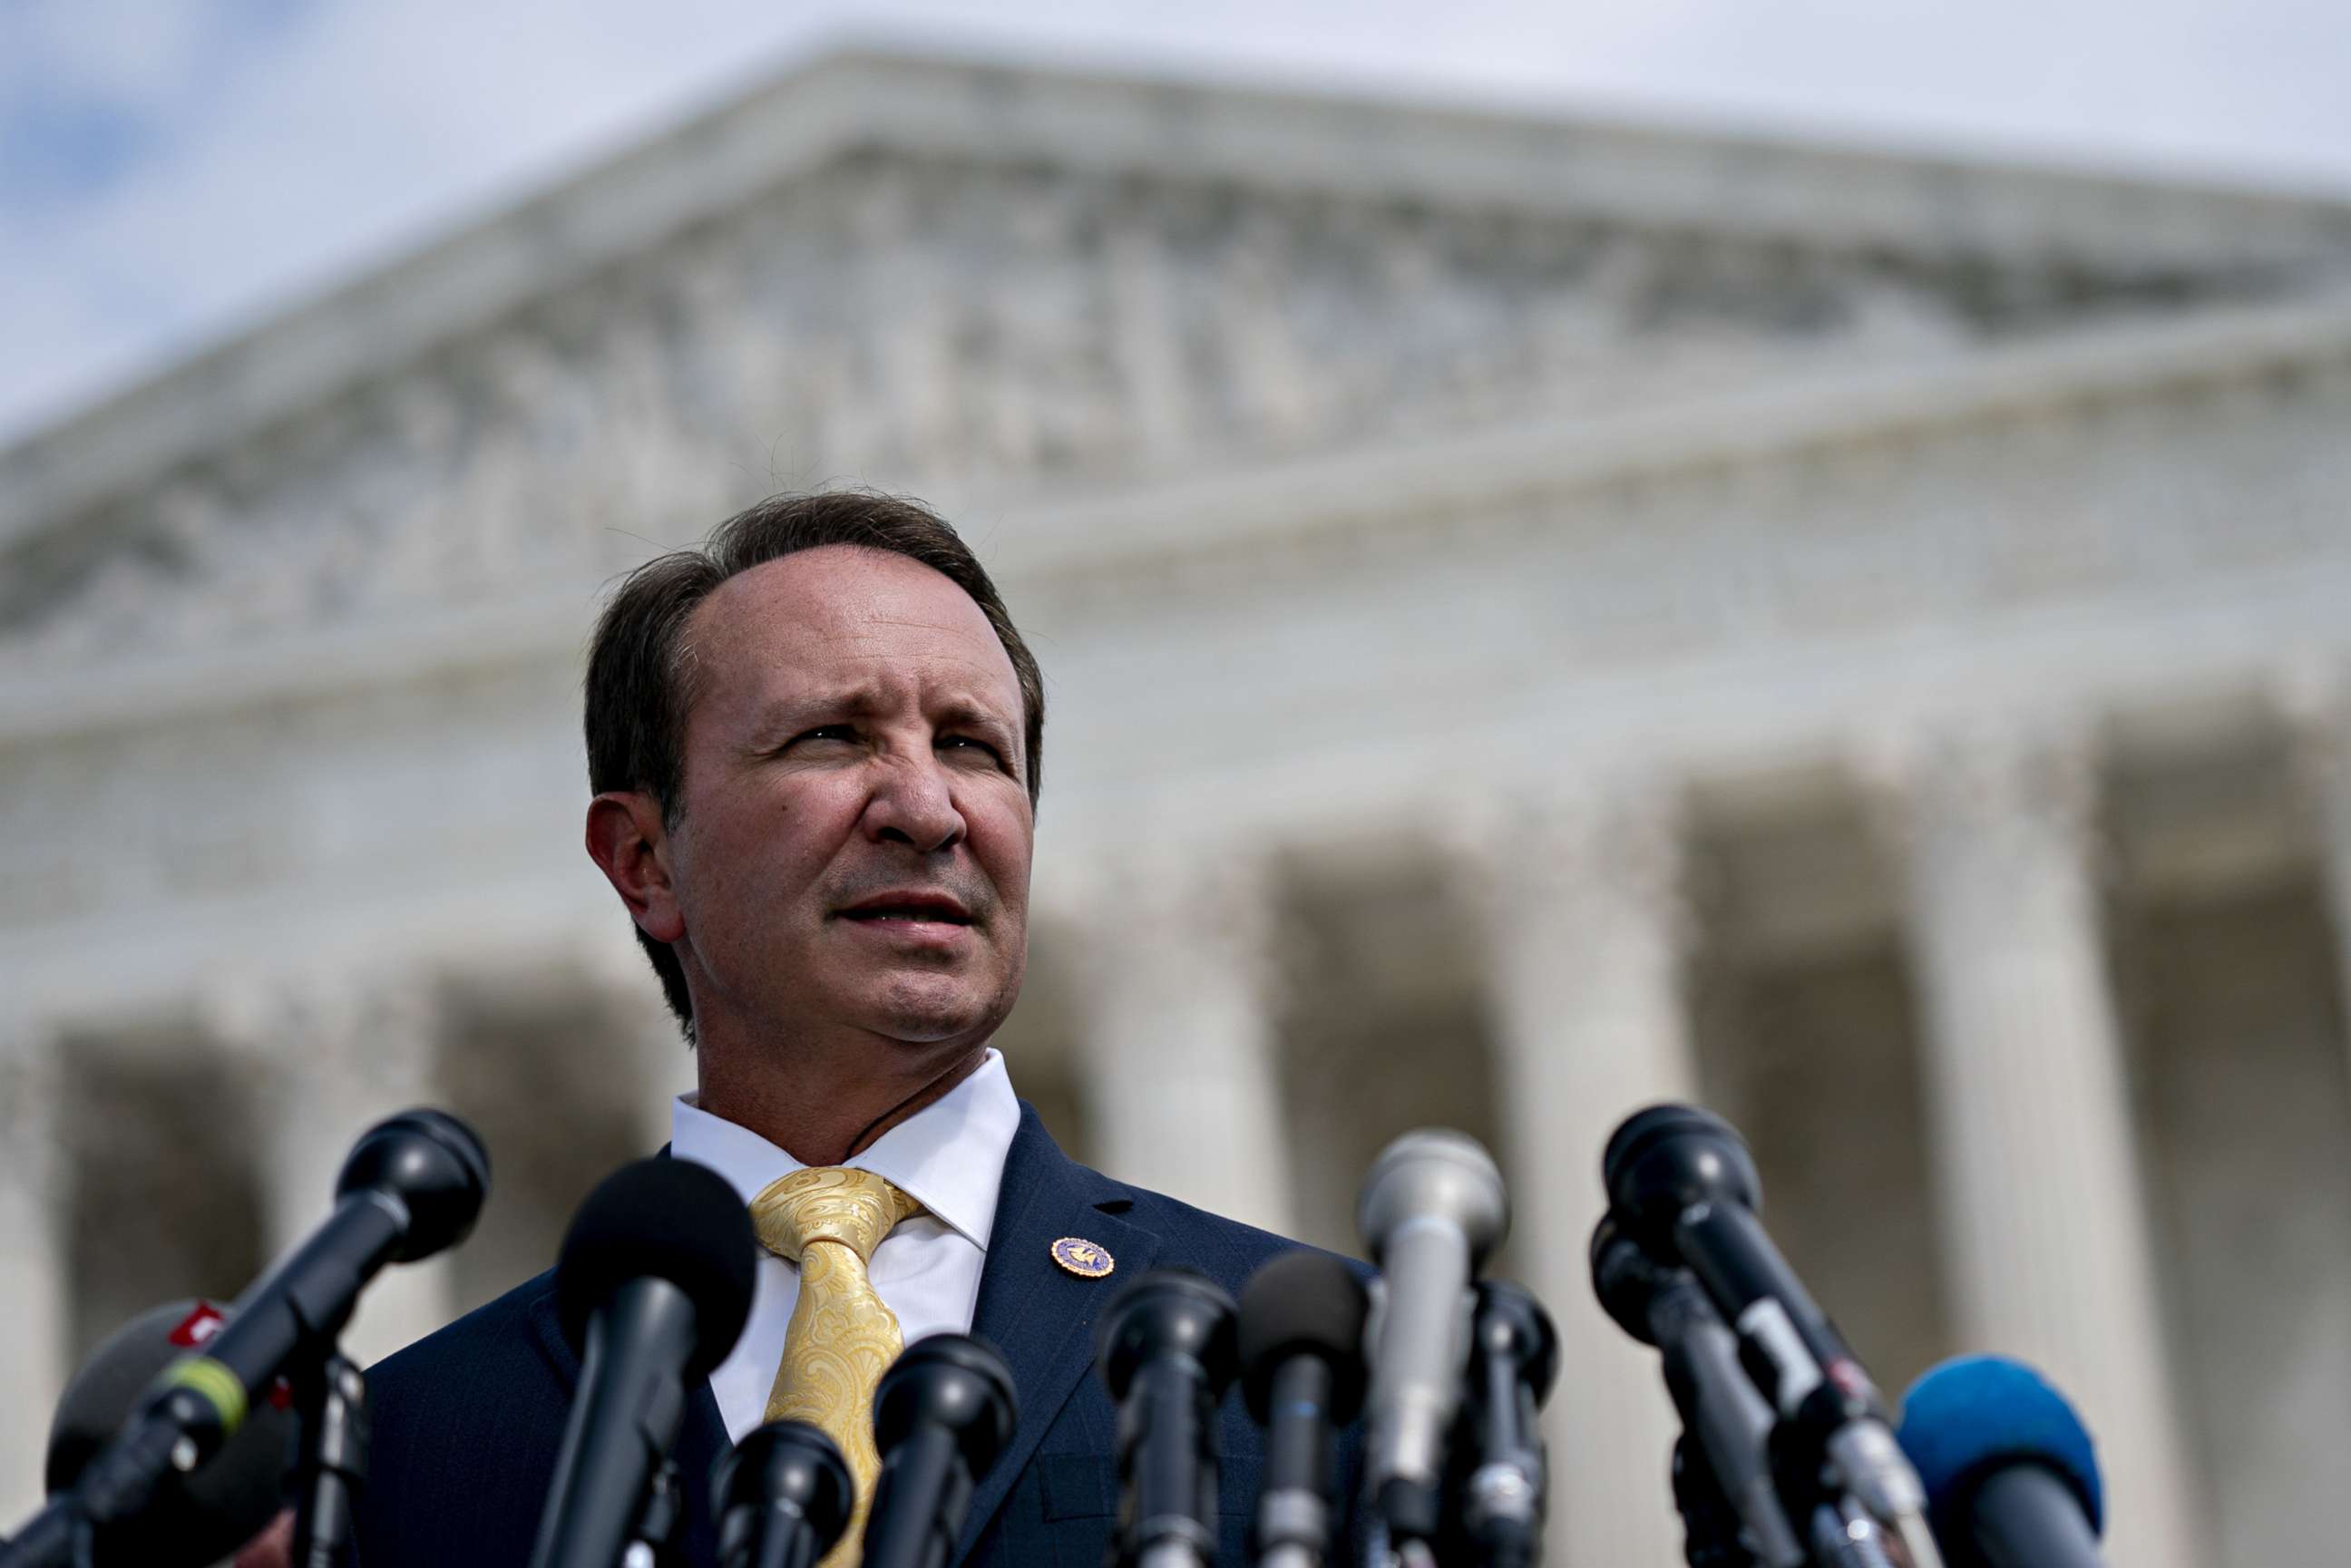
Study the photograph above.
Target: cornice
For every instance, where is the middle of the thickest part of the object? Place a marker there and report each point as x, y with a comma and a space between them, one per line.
1814, 197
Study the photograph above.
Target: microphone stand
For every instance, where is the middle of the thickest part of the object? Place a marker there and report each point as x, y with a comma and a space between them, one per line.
333, 1462
1840, 1528
1710, 1522
330, 1472
60, 1533
1845, 1535
653, 1544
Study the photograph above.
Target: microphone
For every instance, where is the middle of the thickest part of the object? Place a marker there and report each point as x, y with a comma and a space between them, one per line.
204, 1514
783, 1498
2011, 1474
1300, 1342
1662, 1305
1682, 1181
942, 1414
1432, 1209
1712, 1533
1513, 1361
412, 1187
652, 1284
1167, 1350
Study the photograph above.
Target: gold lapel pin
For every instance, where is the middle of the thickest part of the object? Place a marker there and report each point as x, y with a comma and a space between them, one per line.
1084, 1259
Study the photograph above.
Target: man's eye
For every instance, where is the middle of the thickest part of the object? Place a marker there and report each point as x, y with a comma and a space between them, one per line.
970, 742
827, 732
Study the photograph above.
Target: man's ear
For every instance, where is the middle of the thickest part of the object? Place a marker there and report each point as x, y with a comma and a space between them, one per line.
632, 848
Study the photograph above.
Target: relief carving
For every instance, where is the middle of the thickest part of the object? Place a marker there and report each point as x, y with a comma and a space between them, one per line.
914, 323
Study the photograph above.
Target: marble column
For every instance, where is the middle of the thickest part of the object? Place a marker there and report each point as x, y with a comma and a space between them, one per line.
1180, 1079
32, 1260
648, 1048
1577, 896
2045, 1234
328, 1056
660, 1066
2317, 708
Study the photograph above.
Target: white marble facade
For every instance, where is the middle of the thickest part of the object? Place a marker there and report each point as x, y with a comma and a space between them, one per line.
1539, 616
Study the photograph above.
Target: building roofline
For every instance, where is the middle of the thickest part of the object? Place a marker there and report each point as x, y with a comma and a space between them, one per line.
1820, 196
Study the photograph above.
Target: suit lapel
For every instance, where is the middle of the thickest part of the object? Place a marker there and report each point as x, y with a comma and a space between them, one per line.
1039, 1314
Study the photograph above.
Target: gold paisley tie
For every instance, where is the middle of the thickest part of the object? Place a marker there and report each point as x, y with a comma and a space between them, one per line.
829, 1219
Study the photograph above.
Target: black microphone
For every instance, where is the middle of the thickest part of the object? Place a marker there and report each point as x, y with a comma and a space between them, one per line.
2011, 1477
942, 1414
784, 1495
1300, 1345
1166, 1348
1513, 1361
1432, 1209
412, 1187
653, 1284
1661, 1304
1682, 1181
206, 1513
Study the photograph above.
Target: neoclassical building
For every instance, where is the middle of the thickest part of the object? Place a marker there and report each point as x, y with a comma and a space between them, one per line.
1539, 615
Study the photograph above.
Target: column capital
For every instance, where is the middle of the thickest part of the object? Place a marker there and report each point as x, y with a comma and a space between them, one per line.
1989, 773
368, 1028
607, 964
2312, 699
607, 969
330, 1003
2311, 693
1178, 907
1582, 848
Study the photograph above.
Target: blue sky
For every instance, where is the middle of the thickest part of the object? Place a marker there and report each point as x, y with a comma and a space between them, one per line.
172, 169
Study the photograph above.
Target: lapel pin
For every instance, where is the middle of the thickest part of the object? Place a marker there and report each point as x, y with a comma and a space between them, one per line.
1084, 1259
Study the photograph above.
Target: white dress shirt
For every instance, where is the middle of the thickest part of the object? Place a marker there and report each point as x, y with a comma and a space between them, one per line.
949, 1156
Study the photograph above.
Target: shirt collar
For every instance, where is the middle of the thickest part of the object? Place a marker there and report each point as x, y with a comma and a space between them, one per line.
949, 1156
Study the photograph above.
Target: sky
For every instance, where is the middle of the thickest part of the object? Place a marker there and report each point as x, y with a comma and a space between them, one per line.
174, 170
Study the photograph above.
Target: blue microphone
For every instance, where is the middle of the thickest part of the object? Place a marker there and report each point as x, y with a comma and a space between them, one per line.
2010, 1475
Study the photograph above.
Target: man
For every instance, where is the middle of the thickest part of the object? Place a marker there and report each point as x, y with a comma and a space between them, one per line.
814, 747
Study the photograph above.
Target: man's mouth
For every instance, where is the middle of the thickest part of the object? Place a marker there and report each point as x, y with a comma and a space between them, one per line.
910, 909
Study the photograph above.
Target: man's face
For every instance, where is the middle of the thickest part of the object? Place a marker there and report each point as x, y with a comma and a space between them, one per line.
855, 841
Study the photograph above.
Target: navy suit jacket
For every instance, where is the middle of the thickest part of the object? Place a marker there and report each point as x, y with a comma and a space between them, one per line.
467, 1421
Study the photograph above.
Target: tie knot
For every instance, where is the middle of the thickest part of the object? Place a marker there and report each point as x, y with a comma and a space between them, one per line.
828, 1203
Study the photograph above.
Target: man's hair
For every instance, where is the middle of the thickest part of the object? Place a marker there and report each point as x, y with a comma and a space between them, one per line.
642, 679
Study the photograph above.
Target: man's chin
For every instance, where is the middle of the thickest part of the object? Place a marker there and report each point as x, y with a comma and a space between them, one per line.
928, 1013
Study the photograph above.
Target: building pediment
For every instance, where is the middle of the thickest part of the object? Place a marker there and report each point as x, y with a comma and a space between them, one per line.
983, 281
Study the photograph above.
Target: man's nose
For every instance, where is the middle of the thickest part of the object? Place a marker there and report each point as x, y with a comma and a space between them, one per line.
912, 804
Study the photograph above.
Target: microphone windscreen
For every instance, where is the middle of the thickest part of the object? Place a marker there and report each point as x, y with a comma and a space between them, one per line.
434, 1164
1975, 1413
1167, 1311
1304, 1303
208, 1513
1666, 1157
1434, 1173
1644, 1127
667, 1220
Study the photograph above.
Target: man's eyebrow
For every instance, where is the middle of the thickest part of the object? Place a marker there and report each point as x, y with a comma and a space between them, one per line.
971, 710
786, 714
843, 702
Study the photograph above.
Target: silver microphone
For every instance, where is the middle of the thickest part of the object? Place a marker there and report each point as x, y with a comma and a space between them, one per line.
1432, 1209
